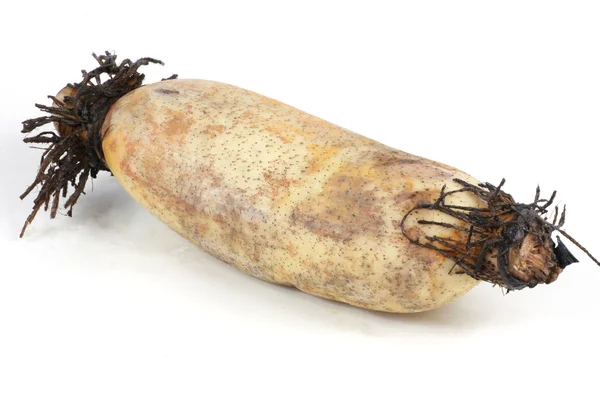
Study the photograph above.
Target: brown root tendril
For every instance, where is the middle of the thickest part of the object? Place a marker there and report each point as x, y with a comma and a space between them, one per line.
71, 158
492, 232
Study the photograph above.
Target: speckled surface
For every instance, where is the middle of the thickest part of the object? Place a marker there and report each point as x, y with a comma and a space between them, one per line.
283, 195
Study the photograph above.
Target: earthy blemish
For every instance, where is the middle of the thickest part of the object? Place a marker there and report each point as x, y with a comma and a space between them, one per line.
111, 145
413, 232
404, 283
256, 255
387, 158
412, 198
343, 210
213, 130
291, 248
166, 91
278, 186
201, 229
178, 123
281, 131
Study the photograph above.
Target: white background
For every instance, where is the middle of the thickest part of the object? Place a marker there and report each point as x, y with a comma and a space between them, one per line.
111, 304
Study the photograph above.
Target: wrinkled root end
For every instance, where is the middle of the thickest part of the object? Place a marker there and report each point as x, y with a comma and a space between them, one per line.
506, 243
74, 154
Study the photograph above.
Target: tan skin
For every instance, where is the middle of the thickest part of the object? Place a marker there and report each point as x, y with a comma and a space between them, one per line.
288, 197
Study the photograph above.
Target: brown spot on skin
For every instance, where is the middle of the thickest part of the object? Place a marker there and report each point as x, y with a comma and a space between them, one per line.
387, 158
213, 130
280, 131
278, 185
256, 255
342, 210
414, 232
130, 148
201, 229
178, 124
175, 127
152, 165
149, 119
112, 146
405, 284
166, 91
292, 249
414, 198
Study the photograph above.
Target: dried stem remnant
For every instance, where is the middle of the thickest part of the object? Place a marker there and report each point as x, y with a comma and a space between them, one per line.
500, 231
74, 155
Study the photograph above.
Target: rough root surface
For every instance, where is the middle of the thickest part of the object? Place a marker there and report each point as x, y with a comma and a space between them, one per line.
71, 157
496, 230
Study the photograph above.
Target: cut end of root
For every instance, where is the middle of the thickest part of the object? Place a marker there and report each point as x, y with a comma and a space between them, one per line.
534, 261
74, 154
505, 243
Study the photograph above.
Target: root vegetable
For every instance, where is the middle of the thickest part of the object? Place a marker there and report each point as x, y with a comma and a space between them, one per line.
290, 198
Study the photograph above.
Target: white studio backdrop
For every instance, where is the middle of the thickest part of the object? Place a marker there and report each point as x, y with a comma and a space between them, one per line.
112, 304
